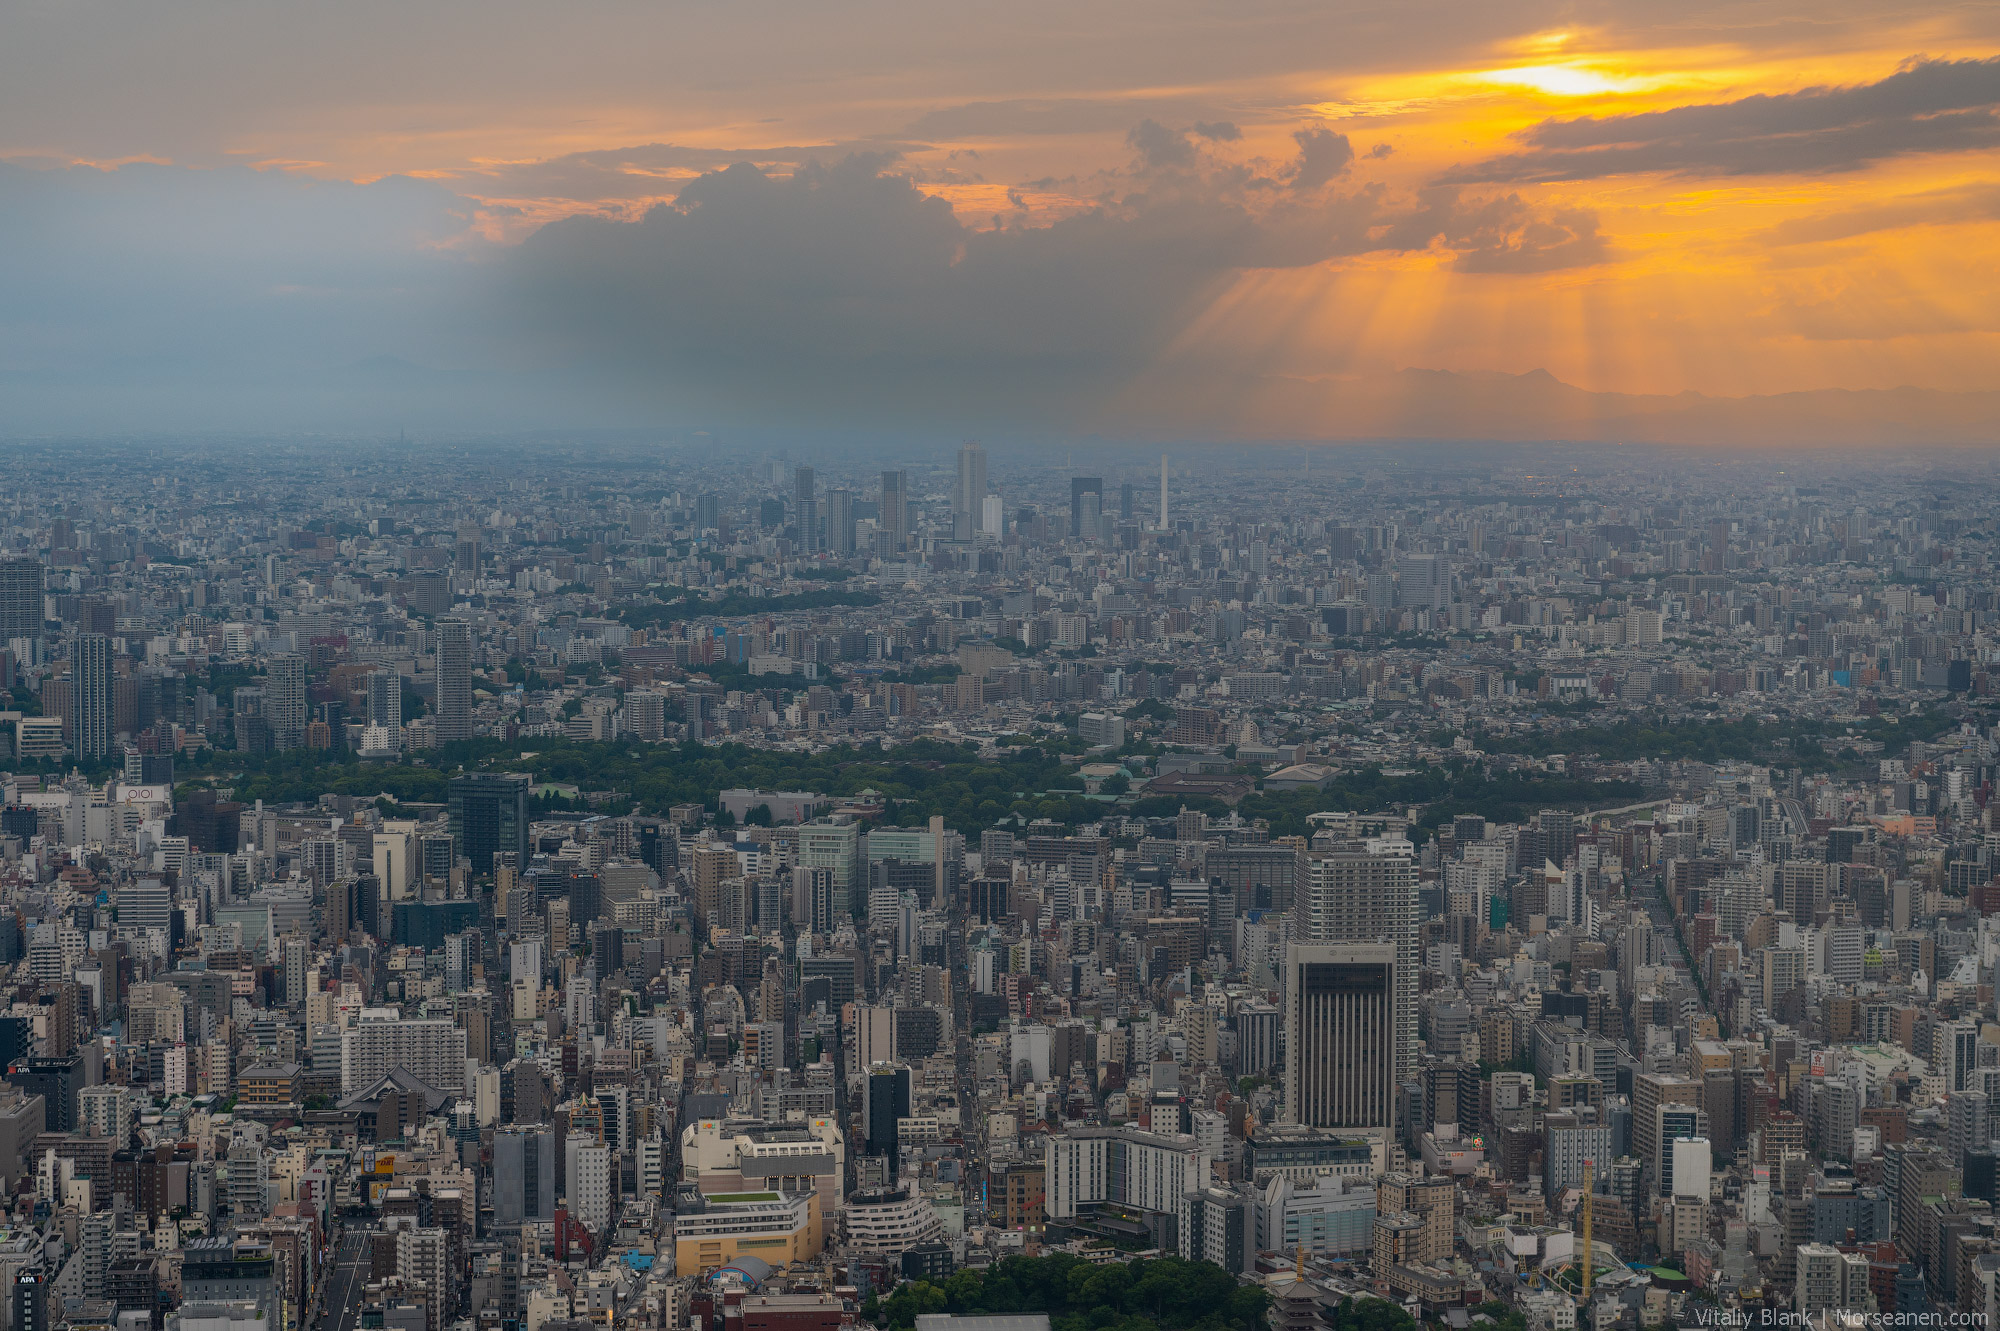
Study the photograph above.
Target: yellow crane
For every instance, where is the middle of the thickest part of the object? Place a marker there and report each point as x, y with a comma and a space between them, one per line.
1589, 1255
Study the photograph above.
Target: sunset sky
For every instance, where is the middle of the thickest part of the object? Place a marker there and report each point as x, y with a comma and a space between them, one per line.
1242, 220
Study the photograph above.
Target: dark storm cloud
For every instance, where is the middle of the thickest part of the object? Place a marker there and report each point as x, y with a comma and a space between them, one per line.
1509, 237
843, 286
1496, 234
1219, 131
1927, 106
1324, 156
1159, 146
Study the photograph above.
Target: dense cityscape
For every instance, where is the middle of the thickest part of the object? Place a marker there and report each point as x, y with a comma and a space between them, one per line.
700, 886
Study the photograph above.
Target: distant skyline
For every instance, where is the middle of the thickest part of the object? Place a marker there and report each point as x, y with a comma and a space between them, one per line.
1147, 222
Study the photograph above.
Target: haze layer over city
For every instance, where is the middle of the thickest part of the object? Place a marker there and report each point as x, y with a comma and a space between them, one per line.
1079, 668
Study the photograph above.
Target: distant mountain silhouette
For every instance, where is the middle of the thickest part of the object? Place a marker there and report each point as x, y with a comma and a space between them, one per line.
1446, 405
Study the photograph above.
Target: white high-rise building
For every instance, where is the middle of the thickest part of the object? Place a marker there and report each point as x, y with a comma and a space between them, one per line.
1693, 1162
589, 1178
524, 959
1829, 1280
1424, 581
425, 1255
385, 707
1151, 1171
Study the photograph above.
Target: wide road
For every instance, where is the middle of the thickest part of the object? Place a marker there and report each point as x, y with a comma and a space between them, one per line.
346, 1281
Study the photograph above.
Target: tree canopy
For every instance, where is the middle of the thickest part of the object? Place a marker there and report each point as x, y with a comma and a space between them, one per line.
1158, 1294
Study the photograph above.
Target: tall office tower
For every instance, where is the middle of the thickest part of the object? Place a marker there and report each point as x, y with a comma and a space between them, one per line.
1426, 581
324, 859
1341, 1003
888, 1099
385, 700
894, 524
90, 702
1163, 492
993, 516
454, 680
1366, 892
1127, 502
342, 912
805, 509
524, 1176
813, 899
1558, 835
295, 952
285, 701
707, 512
1653, 1093
840, 521
969, 496
1079, 486
466, 554
587, 1181
20, 599
489, 815
146, 904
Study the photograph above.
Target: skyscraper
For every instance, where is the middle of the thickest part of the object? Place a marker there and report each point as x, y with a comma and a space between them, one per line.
524, 1175
1079, 486
588, 1181
385, 702
968, 497
888, 1099
285, 701
894, 524
489, 814
454, 680
1341, 1009
1366, 892
91, 672
805, 507
1426, 582
20, 598
840, 521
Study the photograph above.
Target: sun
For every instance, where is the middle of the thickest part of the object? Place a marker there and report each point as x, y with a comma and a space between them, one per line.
1573, 78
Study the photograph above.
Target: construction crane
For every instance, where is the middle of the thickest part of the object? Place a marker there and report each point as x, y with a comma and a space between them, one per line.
1589, 1255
